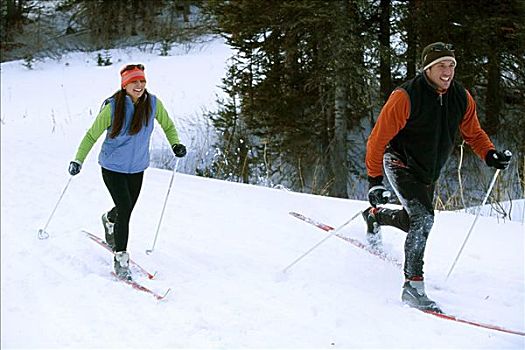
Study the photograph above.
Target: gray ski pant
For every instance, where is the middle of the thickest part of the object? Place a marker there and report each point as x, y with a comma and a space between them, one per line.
417, 216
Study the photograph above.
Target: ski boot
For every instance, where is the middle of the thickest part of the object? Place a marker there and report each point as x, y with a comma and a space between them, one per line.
414, 296
373, 229
121, 264
108, 229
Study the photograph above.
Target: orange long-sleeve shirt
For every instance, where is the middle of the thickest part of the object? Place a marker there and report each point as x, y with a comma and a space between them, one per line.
393, 118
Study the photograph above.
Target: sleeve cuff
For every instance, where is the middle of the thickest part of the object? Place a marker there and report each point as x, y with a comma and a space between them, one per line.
375, 181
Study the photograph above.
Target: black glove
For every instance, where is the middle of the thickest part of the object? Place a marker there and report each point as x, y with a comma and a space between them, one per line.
377, 193
74, 168
179, 149
498, 160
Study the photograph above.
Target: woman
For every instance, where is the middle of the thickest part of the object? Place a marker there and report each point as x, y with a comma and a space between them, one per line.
127, 116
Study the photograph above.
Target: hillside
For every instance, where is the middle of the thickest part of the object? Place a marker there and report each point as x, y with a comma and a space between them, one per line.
222, 246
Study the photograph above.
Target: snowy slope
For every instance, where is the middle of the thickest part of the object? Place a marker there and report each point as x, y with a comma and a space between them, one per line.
222, 246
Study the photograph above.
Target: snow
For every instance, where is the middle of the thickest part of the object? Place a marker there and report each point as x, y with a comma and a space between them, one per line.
221, 247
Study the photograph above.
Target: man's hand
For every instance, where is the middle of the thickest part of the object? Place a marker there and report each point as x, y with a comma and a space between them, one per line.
498, 160
377, 193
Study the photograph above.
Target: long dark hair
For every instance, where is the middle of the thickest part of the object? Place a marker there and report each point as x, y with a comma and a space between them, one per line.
141, 114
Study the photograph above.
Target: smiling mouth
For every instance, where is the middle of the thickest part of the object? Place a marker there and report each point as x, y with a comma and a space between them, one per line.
138, 90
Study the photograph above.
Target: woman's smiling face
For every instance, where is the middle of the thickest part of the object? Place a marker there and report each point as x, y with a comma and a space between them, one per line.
135, 89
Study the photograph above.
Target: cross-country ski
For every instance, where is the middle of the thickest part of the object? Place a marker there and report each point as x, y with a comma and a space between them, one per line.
355, 242
137, 286
103, 243
131, 282
383, 256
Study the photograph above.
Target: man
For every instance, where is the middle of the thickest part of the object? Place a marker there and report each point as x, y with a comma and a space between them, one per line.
412, 139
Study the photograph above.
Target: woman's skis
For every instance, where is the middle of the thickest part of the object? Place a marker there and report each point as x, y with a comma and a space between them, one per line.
134, 284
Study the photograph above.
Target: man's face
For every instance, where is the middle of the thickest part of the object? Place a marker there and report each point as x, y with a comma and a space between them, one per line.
441, 74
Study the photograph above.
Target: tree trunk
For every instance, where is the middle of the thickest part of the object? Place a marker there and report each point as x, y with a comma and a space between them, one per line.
339, 149
411, 53
385, 79
493, 98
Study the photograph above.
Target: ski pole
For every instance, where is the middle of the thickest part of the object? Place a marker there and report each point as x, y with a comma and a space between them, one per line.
474, 222
149, 251
42, 234
334, 232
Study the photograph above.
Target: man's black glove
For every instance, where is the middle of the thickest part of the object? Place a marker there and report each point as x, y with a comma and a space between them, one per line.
74, 168
498, 160
377, 193
179, 149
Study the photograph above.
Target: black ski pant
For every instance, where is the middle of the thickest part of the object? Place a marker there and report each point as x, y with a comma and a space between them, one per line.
417, 216
125, 190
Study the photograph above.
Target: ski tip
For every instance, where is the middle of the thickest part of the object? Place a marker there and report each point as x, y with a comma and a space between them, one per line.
161, 297
473, 323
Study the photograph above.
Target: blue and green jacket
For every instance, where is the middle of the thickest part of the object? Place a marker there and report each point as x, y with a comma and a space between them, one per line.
126, 153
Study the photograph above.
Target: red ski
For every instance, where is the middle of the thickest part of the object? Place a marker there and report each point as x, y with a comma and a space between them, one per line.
358, 244
473, 323
104, 244
381, 255
135, 285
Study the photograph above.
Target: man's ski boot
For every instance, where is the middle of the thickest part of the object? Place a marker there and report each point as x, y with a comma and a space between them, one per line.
108, 229
373, 229
414, 296
121, 264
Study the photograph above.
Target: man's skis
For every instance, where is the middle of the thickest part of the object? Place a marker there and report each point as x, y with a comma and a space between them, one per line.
132, 283
384, 257
473, 323
105, 245
381, 255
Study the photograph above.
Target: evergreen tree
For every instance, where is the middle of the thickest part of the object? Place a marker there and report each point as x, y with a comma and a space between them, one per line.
301, 75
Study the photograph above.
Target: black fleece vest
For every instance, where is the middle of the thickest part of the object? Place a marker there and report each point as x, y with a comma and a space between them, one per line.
429, 136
